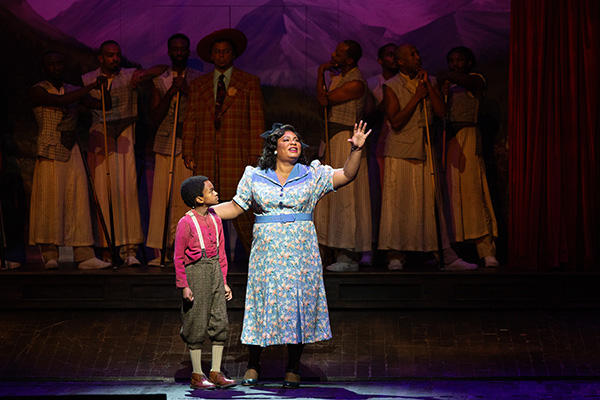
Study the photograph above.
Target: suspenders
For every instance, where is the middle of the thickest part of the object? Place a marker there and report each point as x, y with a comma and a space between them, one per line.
200, 237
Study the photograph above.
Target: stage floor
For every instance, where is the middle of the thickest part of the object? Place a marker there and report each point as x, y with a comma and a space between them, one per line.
400, 389
419, 354
414, 334
366, 345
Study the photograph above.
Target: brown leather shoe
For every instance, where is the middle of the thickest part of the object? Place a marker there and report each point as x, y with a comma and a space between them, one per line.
199, 381
220, 380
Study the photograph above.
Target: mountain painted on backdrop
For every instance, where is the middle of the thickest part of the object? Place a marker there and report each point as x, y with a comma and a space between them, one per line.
22, 11
27, 36
288, 41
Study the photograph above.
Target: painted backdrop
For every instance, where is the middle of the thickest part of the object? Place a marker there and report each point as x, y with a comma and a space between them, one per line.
288, 39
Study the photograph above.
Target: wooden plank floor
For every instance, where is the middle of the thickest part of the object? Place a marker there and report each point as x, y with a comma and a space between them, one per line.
366, 345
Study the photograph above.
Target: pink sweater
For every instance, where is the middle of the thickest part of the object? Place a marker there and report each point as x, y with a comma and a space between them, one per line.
187, 244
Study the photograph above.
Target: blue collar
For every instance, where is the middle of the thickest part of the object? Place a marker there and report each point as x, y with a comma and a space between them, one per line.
298, 172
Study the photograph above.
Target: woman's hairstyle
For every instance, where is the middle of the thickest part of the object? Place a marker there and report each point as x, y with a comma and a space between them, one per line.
268, 160
191, 188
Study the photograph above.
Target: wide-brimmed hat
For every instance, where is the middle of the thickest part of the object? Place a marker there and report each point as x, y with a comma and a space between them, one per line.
234, 36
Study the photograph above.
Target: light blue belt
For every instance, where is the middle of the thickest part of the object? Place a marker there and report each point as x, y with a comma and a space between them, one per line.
261, 219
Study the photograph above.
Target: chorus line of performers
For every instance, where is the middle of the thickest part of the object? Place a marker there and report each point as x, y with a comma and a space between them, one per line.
210, 134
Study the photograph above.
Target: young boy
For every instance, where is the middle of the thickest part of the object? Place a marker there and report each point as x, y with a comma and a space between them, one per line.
201, 271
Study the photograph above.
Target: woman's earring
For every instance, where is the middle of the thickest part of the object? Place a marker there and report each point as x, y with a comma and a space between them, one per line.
275, 152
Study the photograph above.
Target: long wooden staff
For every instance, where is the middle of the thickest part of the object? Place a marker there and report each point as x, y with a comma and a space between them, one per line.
107, 169
444, 135
114, 255
326, 109
172, 167
436, 201
3, 264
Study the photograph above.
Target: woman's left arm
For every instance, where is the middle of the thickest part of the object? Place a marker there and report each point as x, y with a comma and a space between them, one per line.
228, 210
343, 176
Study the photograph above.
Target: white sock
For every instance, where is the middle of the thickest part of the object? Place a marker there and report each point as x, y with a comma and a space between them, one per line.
217, 356
196, 357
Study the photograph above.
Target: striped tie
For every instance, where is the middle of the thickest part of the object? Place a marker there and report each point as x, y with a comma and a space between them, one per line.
221, 92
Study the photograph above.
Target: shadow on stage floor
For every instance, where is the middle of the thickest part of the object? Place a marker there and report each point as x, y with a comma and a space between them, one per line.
407, 390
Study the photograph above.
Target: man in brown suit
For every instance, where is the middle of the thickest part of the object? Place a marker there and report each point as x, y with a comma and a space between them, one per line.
224, 120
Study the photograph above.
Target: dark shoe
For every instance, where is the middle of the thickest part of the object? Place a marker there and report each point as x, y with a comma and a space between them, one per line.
199, 381
250, 377
366, 260
220, 380
291, 380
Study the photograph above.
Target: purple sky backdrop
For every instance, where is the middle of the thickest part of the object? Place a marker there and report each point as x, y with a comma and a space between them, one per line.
50, 9
288, 39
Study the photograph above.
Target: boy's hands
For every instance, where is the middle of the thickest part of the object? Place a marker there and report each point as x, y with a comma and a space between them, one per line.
187, 294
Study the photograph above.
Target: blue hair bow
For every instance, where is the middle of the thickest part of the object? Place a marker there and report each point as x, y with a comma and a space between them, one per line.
274, 129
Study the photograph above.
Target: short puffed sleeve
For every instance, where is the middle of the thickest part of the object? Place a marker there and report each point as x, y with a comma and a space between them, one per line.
243, 196
323, 178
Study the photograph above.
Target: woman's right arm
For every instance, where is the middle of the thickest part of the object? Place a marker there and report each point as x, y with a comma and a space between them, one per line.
228, 210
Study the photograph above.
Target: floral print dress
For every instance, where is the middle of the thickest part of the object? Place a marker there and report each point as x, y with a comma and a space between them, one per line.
285, 296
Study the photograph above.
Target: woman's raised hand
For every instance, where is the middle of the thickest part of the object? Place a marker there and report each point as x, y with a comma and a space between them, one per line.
359, 137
